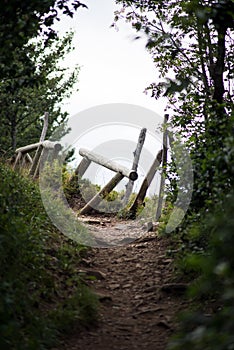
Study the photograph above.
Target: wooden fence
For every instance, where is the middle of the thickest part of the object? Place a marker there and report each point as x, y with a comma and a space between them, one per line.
41, 150
120, 170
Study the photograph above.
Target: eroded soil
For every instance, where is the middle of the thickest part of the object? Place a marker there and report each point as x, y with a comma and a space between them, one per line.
135, 283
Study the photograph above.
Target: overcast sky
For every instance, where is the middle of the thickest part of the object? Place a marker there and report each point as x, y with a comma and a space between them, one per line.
114, 67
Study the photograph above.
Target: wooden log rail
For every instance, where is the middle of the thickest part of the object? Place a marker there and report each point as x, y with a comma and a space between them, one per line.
42, 149
34, 146
109, 164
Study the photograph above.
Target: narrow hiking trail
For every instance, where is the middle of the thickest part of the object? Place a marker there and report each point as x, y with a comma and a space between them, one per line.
139, 299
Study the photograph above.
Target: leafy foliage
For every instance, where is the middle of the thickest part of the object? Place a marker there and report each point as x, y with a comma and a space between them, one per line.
192, 47
41, 292
31, 78
27, 93
191, 44
19, 22
214, 331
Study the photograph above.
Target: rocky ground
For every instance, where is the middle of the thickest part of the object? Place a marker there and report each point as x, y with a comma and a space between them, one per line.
135, 283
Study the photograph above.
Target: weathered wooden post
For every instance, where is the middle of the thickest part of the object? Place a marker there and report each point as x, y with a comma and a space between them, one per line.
26, 158
145, 185
29, 158
36, 160
102, 194
45, 146
164, 165
136, 154
80, 170
17, 160
34, 166
43, 155
23, 152
45, 127
42, 149
82, 167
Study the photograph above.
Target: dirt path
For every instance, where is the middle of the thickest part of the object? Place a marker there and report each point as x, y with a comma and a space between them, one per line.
139, 299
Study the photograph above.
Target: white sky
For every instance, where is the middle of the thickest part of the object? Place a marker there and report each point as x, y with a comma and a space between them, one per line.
115, 68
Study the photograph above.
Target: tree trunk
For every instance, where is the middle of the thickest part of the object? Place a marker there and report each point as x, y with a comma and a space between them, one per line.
219, 66
13, 133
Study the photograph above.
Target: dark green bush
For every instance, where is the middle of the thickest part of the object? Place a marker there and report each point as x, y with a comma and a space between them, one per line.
213, 329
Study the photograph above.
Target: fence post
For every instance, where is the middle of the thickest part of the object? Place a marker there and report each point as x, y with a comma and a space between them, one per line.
102, 194
36, 160
145, 185
136, 154
164, 169
82, 167
45, 127
18, 157
34, 168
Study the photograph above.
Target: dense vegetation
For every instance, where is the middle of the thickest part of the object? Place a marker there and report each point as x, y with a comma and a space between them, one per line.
191, 44
211, 326
41, 292
32, 79
35, 85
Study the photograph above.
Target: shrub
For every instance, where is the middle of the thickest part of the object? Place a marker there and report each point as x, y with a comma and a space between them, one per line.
200, 331
35, 264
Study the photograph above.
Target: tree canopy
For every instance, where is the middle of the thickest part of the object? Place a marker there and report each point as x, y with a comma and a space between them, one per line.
191, 44
31, 78
27, 95
20, 22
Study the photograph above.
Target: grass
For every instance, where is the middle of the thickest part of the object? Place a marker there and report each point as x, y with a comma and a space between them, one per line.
41, 293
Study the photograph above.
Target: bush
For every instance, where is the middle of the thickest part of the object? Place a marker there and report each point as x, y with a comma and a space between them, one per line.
38, 283
213, 331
